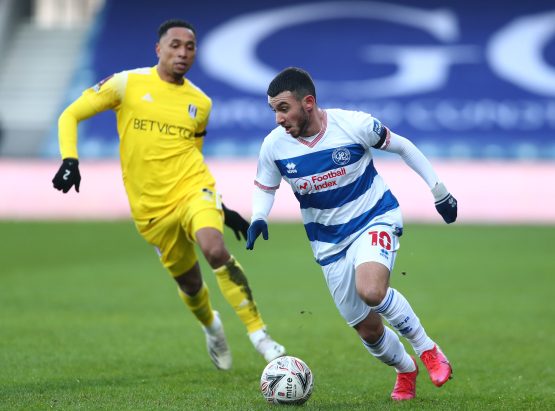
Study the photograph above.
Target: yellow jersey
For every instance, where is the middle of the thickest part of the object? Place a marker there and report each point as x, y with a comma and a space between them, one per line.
160, 127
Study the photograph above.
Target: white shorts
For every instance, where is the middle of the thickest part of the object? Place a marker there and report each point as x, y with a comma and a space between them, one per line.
377, 244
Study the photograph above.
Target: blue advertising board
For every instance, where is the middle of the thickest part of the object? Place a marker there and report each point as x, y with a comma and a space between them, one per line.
461, 79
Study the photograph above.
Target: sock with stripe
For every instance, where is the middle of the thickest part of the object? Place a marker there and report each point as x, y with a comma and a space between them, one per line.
399, 314
389, 350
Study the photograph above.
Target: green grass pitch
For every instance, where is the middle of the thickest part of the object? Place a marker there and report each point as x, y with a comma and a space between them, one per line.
89, 320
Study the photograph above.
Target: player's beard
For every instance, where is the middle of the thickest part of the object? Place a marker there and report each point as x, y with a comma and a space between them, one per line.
302, 123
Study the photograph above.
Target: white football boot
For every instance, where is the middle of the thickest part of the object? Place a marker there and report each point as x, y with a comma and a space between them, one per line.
266, 346
216, 344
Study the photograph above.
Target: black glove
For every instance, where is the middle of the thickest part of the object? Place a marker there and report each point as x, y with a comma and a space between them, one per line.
68, 175
238, 224
446, 204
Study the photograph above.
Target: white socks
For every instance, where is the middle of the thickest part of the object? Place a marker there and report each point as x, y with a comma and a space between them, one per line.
257, 336
389, 350
397, 311
215, 326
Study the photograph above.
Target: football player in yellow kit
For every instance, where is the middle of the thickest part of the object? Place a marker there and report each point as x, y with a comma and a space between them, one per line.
161, 121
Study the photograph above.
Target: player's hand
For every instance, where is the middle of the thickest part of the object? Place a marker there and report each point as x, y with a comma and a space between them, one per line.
446, 204
238, 224
68, 175
256, 228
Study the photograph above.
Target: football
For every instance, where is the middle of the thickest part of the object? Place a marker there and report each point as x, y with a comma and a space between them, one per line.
286, 380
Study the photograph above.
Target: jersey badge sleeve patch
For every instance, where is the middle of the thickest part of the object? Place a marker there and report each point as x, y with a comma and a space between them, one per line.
192, 110
99, 85
383, 133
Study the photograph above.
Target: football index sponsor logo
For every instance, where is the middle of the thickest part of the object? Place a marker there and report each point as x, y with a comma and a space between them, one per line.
319, 182
341, 156
327, 180
303, 186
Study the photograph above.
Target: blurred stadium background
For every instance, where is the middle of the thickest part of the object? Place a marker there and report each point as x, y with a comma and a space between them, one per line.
472, 86
91, 321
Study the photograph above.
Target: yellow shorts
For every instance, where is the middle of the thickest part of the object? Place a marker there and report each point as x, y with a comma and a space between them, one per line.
173, 235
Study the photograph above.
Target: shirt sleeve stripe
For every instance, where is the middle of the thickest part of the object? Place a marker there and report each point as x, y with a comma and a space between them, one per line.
263, 187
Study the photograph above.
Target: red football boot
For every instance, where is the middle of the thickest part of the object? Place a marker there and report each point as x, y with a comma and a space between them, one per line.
405, 385
437, 365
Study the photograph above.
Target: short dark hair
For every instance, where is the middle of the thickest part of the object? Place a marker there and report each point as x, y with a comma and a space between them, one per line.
295, 80
168, 24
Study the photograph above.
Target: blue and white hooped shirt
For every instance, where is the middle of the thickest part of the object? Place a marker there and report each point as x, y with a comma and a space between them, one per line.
333, 178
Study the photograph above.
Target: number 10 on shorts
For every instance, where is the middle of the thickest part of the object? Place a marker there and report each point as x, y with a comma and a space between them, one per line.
382, 238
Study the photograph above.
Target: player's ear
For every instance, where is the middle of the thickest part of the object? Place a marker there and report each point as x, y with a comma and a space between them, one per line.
157, 48
309, 102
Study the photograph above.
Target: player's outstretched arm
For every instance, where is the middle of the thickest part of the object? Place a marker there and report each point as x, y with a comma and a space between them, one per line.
236, 222
68, 174
445, 203
256, 228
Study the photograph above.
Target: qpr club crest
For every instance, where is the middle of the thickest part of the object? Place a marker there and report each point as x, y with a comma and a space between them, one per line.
341, 156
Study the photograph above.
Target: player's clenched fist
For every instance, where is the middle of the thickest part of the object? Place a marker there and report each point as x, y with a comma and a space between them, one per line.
67, 176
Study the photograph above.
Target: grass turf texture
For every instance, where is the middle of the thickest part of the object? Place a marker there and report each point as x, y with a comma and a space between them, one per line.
90, 320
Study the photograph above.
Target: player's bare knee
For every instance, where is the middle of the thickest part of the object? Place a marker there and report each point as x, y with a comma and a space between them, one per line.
372, 282
216, 255
373, 296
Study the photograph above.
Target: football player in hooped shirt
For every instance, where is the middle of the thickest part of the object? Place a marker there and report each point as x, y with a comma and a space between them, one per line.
351, 218
161, 120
